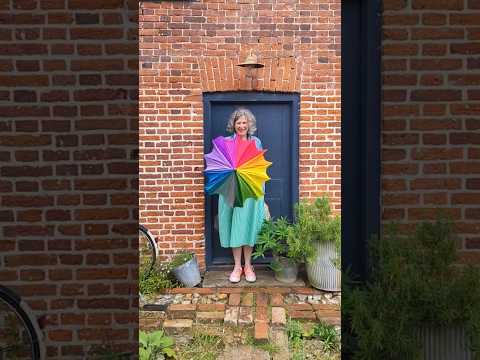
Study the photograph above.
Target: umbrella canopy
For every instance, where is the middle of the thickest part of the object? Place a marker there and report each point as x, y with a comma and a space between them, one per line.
236, 169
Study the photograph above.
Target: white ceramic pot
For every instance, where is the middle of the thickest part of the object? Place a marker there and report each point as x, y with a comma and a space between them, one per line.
445, 343
322, 274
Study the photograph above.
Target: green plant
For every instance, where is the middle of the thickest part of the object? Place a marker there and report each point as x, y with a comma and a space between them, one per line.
328, 335
159, 278
281, 238
268, 347
180, 259
155, 344
295, 333
203, 346
314, 223
413, 283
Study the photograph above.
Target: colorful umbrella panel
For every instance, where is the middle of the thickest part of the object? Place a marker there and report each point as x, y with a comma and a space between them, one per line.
235, 169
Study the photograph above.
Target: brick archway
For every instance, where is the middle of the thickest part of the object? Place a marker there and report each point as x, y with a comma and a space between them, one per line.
282, 74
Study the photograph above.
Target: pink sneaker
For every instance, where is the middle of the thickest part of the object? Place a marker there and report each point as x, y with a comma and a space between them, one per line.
236, 275
249, 274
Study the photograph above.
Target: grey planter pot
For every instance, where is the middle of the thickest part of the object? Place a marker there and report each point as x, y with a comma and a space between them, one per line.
445, 343
188, 273
288, 272
322, 274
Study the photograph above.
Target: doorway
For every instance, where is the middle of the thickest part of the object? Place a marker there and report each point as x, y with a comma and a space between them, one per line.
277, 128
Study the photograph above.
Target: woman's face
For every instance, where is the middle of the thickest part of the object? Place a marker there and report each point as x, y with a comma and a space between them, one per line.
241, 126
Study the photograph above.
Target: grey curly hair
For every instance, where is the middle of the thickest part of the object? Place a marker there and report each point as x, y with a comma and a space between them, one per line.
252, 122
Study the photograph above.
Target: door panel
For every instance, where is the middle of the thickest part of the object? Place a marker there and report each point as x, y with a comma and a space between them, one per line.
277, 128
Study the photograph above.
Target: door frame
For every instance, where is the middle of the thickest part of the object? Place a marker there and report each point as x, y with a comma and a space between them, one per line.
361, 131
252, 97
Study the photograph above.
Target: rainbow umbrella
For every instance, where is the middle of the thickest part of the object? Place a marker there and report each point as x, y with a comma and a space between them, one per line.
236, 169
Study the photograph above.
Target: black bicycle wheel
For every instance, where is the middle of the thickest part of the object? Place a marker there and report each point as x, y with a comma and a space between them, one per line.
147, 249
19, 335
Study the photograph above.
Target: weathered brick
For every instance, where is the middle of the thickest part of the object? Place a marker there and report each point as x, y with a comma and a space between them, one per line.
210, 316
234, 299
278, 316
245, 315
247, 299
231, 315
177, 325
302, 315
182, 311
261, 331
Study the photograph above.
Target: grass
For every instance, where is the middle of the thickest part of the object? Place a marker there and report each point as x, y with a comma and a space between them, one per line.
296, 346
327, 335
202, 347
298, 337
268, 347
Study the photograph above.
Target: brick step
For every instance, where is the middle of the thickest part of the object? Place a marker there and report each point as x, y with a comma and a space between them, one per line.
236, 315
177, 326
240, 290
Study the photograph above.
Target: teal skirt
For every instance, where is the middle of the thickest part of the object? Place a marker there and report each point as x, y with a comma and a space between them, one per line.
240, 226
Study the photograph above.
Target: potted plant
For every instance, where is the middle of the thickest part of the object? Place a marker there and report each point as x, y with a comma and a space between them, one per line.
417, 304
320, 232
279, 237
185, 268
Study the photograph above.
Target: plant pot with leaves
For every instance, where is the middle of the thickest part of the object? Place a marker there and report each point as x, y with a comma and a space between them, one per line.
186, 270
418, 303
320, 232
279, 237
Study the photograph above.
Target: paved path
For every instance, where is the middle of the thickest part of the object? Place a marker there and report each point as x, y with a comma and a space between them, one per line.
262, 310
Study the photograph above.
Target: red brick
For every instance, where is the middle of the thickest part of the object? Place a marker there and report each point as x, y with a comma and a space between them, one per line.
94, 5
261, 331
276, 300
234, 299
60, 335
434, 50
302, 315
261, 314
182, 311
437, 4
96, 33
301, 307
247, 299
211, 307
465, 48
434, 19
436, 64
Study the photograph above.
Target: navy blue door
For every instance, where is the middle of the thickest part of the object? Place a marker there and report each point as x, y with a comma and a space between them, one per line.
277, 128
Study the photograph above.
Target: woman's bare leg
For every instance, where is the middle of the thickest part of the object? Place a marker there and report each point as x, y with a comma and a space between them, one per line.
248, 270
236, 274
237, 256
247, 255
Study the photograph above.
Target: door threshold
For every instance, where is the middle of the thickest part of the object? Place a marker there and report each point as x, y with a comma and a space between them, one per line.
265, 278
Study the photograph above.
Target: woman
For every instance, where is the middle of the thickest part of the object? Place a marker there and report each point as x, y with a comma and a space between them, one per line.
239, 226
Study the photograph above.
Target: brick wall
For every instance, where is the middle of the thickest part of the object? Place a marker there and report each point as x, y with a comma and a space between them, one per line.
431, 115
187, 48
68, 187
